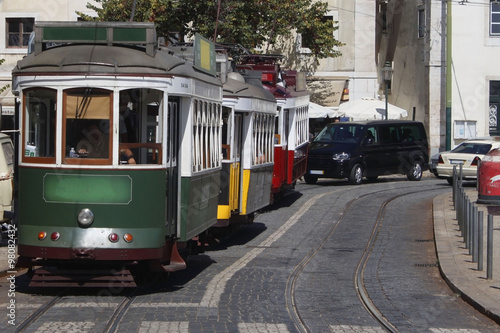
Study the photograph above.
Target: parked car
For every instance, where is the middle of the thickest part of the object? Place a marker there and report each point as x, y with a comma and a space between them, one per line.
433, 162
468, 154
354, 150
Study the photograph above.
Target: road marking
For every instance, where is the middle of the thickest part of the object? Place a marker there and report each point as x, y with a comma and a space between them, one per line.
453, 330
216, 286
262, 327
22, 305
164, 326
66, 326
86, 305
356, 329
164, 305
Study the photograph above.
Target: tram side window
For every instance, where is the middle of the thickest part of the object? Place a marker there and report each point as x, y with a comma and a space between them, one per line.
40, 124
140, 127
263, 139
207, 119
87, 116
302, 126
226, 133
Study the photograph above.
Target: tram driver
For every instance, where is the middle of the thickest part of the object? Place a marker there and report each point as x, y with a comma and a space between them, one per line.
95, 144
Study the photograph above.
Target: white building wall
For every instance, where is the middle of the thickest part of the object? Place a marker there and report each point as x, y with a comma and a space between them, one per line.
356, 20
418, 60
47, 10
474, 55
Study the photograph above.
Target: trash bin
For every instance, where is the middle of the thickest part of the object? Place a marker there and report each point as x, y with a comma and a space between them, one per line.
488, 179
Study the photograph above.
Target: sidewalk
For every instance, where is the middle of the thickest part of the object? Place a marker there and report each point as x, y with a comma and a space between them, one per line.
455, 262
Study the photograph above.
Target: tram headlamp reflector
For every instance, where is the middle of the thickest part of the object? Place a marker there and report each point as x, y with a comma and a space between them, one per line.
85, 217
128, 238
55, 236
113, 237
42, 235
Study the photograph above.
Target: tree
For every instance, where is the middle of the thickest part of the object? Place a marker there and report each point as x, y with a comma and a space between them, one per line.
254, 24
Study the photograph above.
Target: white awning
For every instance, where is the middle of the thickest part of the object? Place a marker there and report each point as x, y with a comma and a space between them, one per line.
319, 111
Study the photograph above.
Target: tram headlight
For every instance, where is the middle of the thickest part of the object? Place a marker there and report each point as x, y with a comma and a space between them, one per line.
85, 217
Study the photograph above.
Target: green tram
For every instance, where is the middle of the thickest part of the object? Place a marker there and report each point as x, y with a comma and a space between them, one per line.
120, 153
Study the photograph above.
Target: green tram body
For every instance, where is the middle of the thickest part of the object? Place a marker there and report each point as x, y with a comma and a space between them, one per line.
171, 194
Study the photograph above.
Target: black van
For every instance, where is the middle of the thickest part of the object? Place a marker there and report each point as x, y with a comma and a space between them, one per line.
372, 148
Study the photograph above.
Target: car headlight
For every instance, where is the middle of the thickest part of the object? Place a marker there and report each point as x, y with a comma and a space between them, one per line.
85, 217
341, 156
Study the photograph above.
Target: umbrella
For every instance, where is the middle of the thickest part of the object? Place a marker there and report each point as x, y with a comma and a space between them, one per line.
370, 109
318, 111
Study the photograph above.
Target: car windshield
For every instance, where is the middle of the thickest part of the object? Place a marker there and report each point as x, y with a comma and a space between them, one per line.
472, 148
340, 133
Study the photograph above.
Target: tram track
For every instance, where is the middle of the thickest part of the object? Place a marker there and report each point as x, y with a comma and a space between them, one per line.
112, 323
38, 313
360, 289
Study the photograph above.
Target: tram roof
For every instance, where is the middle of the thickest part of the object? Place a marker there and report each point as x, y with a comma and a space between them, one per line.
238, 87
79, 57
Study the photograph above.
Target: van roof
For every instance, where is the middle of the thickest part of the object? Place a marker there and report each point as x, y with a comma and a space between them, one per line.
377, 122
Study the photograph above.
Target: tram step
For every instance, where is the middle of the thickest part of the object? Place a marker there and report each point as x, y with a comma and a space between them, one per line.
52, 277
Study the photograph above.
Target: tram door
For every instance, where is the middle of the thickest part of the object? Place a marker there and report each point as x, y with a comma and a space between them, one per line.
231, 153
172, 147
238, 129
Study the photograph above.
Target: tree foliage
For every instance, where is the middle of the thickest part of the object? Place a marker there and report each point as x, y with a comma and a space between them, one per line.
250, 23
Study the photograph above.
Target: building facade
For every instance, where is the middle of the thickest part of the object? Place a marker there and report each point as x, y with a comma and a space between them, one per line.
356, 69
17, 18
443, 69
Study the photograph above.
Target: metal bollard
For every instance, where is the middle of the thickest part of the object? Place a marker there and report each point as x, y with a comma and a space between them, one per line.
461, 213
474, 234
480, 241
489, 249
462, 216
454, 195
467, 225
461, 174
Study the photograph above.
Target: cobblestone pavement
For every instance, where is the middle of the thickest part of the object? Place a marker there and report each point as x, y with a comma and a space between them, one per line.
167, 311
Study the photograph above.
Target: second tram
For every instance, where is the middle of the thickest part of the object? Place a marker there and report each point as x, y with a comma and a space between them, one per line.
292, 122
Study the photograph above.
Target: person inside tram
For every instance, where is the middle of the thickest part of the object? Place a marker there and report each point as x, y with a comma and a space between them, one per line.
95, 144
127, 125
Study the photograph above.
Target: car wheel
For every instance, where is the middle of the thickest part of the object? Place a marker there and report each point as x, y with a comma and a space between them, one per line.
310, 179
415, 171
356, 175
450, 180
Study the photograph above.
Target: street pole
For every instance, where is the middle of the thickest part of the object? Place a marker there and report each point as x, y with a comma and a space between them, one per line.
387, 75
386, 101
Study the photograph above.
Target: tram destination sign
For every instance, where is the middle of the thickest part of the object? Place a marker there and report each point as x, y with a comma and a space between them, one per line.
204, 55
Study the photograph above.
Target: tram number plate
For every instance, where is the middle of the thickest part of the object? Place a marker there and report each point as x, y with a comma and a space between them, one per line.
317, 172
